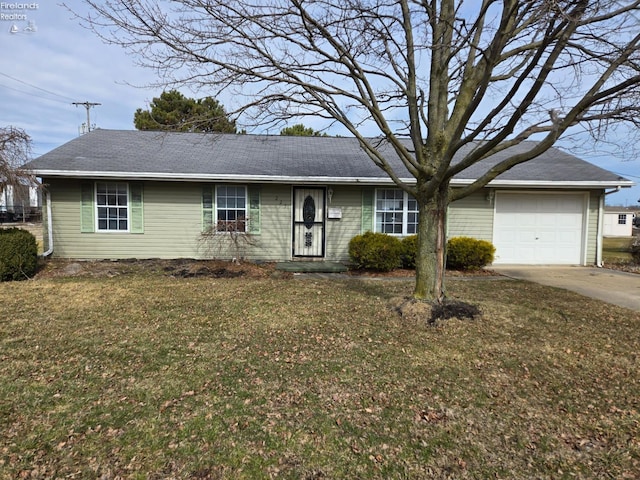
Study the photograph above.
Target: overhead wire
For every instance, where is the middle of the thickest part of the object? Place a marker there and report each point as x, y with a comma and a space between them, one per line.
59, 98
36, 87
626, 175
32, 94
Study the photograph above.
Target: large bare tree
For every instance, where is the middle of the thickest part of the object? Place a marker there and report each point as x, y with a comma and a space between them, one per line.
15, 151
453, 76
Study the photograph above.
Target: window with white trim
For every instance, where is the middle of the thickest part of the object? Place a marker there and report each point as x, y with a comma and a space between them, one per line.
112, 206
622, 219
396, 212
231, 208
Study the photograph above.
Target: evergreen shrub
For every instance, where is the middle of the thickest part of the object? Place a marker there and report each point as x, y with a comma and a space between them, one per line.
18, 254
375, 251
409, 251
466, 253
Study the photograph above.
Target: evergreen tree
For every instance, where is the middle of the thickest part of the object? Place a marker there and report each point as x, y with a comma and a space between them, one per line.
172, 111
299, 130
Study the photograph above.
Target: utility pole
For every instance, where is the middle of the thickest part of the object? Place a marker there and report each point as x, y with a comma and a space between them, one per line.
88, 106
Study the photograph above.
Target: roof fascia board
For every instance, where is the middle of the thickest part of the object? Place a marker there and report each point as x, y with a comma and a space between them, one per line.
198, 177
554, 184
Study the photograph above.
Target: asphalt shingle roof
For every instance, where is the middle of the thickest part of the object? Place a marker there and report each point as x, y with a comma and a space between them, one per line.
157, 154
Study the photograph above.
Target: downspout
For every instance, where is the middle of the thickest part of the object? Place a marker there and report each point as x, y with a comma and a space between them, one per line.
49, 227
601, 226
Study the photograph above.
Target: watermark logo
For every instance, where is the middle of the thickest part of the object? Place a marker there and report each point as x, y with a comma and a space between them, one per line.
19, 16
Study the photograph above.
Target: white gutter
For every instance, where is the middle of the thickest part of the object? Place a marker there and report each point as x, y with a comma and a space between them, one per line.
309, 180
49, 227
600, 229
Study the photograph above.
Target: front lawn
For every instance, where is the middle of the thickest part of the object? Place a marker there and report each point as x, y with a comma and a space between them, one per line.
616, 250
149, 376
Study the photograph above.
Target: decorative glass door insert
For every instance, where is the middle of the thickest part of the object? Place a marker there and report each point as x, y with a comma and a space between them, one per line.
308, 222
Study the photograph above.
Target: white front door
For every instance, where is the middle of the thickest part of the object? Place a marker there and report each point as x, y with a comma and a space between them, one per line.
539, 228
308, 222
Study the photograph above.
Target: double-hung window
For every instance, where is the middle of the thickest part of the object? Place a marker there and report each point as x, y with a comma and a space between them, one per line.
396, 212
622, 219
112, 206
107, 207
231, 208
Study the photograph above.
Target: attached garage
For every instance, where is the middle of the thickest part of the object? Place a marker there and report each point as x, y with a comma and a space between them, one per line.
540, 228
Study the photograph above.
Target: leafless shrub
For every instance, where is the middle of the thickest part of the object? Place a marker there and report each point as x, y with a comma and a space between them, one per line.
15, 151
227, 239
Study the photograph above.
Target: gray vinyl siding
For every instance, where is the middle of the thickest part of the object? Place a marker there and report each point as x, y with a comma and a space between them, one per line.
471, 216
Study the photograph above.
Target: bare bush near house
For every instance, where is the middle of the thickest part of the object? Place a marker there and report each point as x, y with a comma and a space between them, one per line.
464, 79
228, 240
635, 250
15, 151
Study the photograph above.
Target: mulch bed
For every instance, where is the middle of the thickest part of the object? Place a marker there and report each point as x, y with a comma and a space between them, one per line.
180, 268
190, 268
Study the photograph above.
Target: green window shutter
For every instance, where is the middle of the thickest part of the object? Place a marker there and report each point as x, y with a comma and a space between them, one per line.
87, 221
136, 208
368, 197
254, 210
207, 207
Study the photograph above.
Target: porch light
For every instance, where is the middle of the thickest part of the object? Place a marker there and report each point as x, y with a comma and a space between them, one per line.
491, 194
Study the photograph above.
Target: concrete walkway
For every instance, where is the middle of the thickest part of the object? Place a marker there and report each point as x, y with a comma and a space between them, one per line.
612, 286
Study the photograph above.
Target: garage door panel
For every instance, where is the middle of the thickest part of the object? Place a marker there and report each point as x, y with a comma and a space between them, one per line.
539, 228
548, 220
564, 237
547, 205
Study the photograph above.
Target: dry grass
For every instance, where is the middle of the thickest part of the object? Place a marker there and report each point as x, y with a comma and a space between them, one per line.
617, 250
147, 376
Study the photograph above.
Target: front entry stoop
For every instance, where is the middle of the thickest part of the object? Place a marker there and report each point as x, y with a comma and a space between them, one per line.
312, 267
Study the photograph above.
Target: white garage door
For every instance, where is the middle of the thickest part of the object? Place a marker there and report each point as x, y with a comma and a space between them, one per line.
542, 229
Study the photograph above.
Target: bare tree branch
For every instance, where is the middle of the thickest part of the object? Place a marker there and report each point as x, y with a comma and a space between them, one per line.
15, 151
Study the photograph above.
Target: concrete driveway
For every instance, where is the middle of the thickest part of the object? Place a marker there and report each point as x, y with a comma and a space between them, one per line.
618, 288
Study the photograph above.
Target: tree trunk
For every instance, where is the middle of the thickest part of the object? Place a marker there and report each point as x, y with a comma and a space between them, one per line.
430, 258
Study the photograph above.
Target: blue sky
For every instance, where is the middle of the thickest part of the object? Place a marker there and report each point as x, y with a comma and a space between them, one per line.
49, 61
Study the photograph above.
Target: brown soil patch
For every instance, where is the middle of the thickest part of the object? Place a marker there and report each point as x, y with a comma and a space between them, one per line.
190, 268
623, 267
402, 273
180, 268
415, 311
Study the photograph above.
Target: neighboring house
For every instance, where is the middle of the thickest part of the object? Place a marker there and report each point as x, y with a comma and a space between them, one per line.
137, 194
618, 222
19, 202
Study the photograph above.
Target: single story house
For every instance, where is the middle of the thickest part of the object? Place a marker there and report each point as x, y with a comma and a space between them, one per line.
139, 194
618, 222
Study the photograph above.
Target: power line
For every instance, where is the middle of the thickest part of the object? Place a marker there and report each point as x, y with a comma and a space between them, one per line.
34, 86
626, 175
85, 128
88, 106
31, 94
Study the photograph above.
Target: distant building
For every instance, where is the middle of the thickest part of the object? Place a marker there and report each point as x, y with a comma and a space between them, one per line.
618, 222
19, 203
